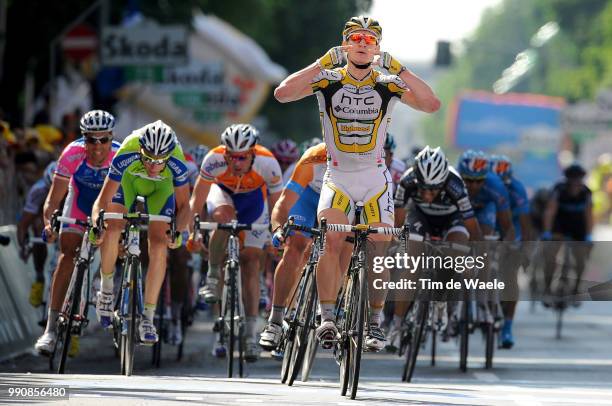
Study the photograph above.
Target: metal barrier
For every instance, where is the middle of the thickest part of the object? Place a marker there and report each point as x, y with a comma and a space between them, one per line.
18, 319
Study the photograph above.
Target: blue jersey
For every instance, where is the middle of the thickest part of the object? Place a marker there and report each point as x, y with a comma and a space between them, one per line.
490, 200
519, 204
493, 191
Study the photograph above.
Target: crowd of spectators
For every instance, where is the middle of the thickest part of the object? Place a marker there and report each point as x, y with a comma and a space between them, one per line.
24, 154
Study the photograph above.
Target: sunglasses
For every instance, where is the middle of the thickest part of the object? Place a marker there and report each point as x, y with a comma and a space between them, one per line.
368, 38
430, 188
237, 158
98, 140
153, 161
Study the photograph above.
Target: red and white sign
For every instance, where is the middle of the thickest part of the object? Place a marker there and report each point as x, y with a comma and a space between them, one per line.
80, 43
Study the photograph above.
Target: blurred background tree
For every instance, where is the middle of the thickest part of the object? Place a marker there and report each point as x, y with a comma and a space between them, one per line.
574, 64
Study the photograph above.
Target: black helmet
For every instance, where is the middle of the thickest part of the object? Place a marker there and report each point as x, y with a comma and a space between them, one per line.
574, 171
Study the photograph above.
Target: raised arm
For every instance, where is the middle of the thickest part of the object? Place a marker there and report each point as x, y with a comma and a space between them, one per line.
298, 85
420, 96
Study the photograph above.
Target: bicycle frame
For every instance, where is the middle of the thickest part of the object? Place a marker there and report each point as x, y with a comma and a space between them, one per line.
232, 288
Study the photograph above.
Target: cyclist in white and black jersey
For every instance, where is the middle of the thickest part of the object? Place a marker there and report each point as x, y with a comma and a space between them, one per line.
437, 204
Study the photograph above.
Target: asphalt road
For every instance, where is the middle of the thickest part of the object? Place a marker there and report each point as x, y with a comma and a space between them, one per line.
539, 370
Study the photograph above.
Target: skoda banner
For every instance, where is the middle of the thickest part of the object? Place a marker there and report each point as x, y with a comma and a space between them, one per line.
223, 78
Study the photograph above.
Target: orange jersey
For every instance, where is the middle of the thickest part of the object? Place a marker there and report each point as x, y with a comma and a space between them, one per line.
265, 171
310, 169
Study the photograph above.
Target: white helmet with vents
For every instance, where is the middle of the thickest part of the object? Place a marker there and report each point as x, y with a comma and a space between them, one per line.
158, 138
240, 137
97, 121
431, 166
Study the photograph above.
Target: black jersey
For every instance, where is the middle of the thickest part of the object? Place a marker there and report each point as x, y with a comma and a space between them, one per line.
453, 196
571, 208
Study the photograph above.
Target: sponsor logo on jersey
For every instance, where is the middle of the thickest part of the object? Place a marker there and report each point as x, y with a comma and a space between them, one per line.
360, 106
214, 165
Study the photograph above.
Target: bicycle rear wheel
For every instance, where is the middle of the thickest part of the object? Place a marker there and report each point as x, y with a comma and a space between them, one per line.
421, 311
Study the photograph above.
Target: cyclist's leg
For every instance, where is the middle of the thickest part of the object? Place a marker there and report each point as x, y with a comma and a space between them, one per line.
221, 210
580, 251
179, 279
295, 255
378, 211
160, 202
109, 250
328, 270
70, 239
250, 260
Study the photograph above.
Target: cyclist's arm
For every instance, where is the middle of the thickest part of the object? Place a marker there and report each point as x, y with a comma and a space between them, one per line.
549, 214
27, 219
59, 188
109, 189
473, 228
198, 198
400, 216
280, 212
504, 218
297, 85
420, 96
183, 216
273, 199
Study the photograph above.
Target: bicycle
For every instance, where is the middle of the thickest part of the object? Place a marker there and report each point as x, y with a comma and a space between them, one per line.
426, 312
129, 305
299, 320
231, 321
561, 300
352, 309
72, 318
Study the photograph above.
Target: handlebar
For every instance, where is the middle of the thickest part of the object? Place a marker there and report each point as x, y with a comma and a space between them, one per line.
57, 220
290, 225
137, 218
234, 227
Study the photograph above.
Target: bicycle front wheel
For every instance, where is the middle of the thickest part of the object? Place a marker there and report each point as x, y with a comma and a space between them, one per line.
231, 331
72, 307
464, 336
132, 331
421, 311
305, 317
357, 326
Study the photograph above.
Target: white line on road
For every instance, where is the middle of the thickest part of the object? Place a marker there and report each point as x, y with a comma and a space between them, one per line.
486, 376
189, 398
249, 401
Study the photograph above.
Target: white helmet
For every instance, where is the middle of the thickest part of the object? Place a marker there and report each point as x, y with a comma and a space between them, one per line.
198, 153
97, 121
158, 138
240, 137
431, 166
